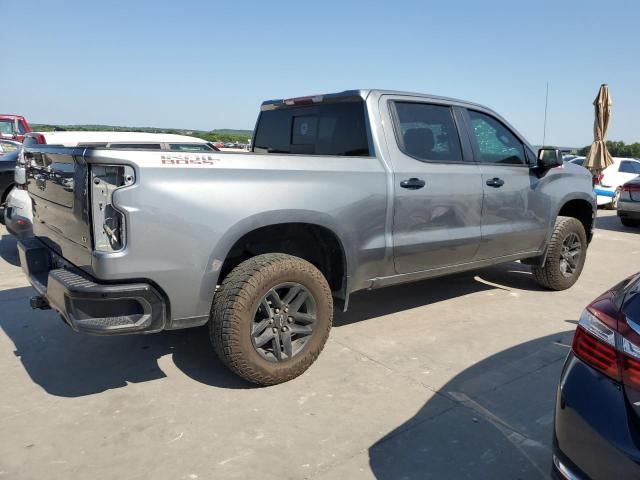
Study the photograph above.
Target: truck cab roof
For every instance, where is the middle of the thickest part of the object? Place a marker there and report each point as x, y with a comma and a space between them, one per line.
347, 95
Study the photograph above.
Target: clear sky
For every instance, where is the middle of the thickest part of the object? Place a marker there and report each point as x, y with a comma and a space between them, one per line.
209, 64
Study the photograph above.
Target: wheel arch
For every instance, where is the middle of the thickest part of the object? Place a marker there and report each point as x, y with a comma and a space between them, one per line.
314, 236
5, 194
583, 209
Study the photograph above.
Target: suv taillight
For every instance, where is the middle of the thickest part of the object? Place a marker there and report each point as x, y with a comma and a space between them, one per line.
599, 178
608, 345
109, 233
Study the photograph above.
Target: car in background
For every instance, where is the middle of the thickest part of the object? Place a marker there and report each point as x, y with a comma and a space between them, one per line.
608, 184
8, 146
576, 161
597, 417
121, 140
628, 204
18, 211
13, 127
9, 152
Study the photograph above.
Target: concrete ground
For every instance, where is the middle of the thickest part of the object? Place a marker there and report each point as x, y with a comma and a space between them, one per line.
448, 378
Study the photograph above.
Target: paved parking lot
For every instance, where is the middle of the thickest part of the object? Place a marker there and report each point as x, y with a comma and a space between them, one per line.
447, 378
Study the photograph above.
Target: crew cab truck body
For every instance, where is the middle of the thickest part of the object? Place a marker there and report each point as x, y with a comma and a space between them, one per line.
341, 192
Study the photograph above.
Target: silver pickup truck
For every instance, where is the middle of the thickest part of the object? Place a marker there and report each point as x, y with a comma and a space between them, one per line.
341, 192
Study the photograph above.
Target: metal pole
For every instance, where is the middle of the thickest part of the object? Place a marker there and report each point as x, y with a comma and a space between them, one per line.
546, 103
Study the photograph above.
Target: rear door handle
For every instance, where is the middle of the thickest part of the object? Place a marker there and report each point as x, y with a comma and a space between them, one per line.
495, 182
413, 183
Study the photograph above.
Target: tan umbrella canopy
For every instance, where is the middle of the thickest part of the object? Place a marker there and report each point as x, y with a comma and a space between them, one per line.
599, 157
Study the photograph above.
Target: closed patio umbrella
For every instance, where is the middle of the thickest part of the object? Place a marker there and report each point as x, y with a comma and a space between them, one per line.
599, 157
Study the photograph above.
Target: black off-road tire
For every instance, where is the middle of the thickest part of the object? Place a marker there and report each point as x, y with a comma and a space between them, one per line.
628, 222
236, 301
550, 275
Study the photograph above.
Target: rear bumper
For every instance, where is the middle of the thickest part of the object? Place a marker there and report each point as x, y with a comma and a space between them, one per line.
18, 215
85, 305
17, 225
594, 433
629, 209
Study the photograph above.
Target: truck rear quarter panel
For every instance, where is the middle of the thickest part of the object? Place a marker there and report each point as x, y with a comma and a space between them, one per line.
183, 215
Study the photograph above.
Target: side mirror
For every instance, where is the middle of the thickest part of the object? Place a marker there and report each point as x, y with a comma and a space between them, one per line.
549, 157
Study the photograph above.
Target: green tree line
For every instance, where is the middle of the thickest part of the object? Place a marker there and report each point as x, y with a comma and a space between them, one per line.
236, 136
617, 149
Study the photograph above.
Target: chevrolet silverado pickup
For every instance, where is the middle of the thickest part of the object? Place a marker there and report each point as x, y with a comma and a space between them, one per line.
340, 192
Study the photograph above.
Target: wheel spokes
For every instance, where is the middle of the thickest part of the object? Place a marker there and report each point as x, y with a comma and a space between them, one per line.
283, 322
274, 297
291, 294
264, 337
295, 305
258, 328
285, 338
304, 318
301, 329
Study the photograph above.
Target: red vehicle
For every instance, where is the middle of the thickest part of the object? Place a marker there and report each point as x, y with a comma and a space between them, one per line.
13, 127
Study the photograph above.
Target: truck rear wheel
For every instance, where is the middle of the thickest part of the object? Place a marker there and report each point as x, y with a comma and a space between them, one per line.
271, 318
566, 254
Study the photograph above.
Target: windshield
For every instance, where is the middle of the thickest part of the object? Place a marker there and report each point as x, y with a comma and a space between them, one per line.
7, 127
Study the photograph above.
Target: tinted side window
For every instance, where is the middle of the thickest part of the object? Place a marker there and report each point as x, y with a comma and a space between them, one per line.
338, 129
496, 143
29, 141
427, 132
629, 167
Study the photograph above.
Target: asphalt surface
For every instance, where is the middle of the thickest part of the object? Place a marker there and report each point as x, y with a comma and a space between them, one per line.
447, 378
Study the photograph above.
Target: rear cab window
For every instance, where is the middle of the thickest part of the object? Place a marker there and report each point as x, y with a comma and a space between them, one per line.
135, 146
336, 129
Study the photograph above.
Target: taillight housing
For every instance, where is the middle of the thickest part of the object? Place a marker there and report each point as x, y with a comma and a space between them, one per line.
39, 138
109, 223
627, 189
599, 178
610, 345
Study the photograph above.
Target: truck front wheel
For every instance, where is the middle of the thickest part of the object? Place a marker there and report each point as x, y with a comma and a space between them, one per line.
565, 257
271, 318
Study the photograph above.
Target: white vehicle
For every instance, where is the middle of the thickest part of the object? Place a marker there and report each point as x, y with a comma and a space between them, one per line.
124, 140
18, 215
610, 181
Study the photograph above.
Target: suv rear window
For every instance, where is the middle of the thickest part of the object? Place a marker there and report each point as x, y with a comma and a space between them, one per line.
629, 167
338, 129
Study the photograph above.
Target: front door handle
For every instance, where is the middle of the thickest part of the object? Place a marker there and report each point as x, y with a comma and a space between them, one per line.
413, 183
495, 182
